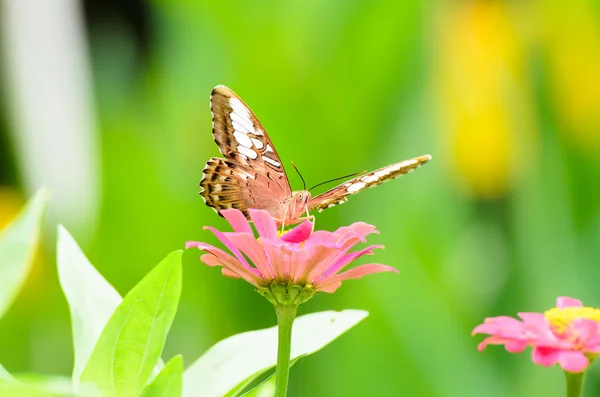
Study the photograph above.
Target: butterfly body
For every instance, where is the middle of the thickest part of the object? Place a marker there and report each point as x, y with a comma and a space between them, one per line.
293, 208
252, 175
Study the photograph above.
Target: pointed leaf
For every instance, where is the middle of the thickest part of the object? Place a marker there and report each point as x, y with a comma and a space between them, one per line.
18, 243
92, 300
131, 343
265, 389
4, 374
234, 362
168, 382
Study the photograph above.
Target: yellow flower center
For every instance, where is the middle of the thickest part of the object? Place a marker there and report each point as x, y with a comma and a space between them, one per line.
281, 232
560, 319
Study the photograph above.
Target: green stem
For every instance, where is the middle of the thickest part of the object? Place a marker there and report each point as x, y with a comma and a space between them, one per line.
285, 319
574, 383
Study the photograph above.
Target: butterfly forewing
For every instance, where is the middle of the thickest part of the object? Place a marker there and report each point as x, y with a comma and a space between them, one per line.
252, 175
339, 194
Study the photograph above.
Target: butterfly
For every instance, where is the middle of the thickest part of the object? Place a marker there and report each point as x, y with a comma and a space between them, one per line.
252, 176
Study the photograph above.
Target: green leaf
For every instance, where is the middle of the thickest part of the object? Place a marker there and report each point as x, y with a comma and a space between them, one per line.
92, 300
131, 344
265, 389
234, 362
168, 382
4, 374
13, 388
17, 390
18, 243
51, 384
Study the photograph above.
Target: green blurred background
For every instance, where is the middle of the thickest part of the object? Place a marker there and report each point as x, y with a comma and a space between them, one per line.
106, 102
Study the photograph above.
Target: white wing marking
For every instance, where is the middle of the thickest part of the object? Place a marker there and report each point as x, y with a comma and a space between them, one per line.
239, 108
258, 143
247, 152
271, 161
355, 187
241, 122
243, 139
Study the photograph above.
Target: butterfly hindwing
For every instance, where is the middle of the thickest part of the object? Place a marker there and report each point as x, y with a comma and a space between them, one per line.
226, 184
339, 194
252, 175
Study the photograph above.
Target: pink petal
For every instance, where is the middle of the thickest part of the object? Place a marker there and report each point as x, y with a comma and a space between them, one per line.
515, 346
211, 260
534, 318
358, 229
536, 333
499, 325
355, 233
345, 238
264, 223
489, 341
321, 238
330, 288
230, 245
299, 234
588, 334
346, 259
363, 229
573, 361
510, 345
354, 273
545, 356
222, 258
237, 220
217, 252
564, 301
195, 244
250, 247
569, 360
584, 328
321, 258
228, 273
298, 262
279, 259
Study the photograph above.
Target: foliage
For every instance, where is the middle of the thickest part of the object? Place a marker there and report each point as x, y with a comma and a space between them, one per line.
118, 343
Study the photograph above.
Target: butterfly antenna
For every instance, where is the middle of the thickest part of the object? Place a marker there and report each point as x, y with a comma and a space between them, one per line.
303, 181
337, 179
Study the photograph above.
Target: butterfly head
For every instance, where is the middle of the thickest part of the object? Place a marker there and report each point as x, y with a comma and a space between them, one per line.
297, 206
302, 197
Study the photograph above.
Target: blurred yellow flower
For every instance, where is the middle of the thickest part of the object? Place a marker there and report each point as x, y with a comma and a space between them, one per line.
478, 84
10, 205
572, 38
37, 285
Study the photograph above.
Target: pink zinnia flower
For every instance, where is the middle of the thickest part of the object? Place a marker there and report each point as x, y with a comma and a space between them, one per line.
299, 263
568, 335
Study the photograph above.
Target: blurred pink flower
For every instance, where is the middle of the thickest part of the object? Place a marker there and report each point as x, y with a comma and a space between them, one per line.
567, 335
310, 260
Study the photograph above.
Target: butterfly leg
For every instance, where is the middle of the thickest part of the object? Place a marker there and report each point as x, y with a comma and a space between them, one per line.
283, 220
310, 217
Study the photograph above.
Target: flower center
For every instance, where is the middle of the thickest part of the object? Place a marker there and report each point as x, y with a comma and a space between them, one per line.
282, 232
560, 319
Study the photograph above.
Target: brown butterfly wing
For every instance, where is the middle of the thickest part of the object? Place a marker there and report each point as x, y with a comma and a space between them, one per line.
226, 184
251, 175
339, 194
